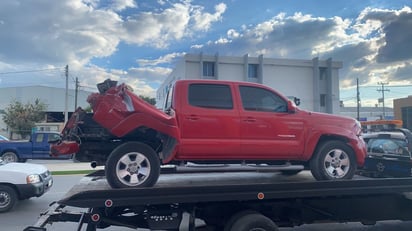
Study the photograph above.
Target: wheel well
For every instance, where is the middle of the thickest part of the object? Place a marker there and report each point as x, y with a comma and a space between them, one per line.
13, 187
326, 138
159, 142
9, 150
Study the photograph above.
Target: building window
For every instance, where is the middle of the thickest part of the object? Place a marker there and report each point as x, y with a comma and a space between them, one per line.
208, 69
252, 70
323, 100
322, 73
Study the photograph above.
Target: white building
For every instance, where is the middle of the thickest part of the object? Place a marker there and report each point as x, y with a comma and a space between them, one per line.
54, 98
315, 82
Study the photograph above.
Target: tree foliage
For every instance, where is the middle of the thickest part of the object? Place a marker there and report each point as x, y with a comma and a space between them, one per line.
150, 100
21, 118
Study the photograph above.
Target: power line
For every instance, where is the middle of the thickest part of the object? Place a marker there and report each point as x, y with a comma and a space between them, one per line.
29, 71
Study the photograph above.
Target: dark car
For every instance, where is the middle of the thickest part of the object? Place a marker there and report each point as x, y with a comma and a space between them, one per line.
389, 153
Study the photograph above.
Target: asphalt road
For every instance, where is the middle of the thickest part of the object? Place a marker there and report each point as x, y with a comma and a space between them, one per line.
26, 213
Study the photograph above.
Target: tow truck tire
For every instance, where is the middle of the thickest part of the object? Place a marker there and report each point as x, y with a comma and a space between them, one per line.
10, 157
132, 164
8, 198
252, 222
333, 160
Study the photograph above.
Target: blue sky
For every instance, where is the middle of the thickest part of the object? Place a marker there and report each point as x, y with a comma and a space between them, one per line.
139, 42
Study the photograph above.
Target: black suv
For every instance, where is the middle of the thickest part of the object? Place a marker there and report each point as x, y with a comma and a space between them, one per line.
389, 153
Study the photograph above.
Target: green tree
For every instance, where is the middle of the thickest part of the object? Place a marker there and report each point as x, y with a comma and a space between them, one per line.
150, 100
21, 118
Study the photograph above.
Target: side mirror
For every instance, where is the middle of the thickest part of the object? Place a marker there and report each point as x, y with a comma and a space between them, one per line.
291, 107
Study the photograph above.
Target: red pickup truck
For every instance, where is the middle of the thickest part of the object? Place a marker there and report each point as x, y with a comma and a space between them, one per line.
208, 121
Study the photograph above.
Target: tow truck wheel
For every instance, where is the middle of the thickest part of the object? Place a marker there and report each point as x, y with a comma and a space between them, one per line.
8, 198
333, 160
252, 222
10, 157
132, 164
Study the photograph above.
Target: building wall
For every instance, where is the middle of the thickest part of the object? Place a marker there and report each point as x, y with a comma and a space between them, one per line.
54, 98
403, 111
305, 79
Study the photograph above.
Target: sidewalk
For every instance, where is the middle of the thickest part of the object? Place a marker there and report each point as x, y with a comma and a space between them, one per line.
64, 165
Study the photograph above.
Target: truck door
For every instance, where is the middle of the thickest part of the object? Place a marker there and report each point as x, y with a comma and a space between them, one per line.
267, 129
41, 147
209, 122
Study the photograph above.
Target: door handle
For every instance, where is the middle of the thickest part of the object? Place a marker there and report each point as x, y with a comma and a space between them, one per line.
193, 117
249, 119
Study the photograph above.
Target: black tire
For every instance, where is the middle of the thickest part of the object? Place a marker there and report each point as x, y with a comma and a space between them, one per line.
253, 222
10, 157
132, 164
333, 160
235, 217
8, 198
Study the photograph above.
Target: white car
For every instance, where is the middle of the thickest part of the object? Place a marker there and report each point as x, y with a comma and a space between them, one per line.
19, 181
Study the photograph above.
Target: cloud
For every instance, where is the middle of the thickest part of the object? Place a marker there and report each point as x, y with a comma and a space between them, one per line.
373, 47
73, 32
166, 59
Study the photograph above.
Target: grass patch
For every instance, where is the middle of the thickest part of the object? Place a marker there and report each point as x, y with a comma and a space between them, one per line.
72, 172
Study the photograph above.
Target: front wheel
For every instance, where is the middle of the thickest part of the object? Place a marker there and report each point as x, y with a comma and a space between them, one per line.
333, 160
10, 157
8, 198
132, 164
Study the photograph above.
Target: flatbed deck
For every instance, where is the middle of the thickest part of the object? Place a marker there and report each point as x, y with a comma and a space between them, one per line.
215, 197
94, 191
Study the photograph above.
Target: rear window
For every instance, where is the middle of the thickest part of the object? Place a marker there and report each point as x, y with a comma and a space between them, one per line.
216, 96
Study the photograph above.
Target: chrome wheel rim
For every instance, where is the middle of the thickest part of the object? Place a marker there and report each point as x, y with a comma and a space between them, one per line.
9, 157
337, 163
133, 169
4, 199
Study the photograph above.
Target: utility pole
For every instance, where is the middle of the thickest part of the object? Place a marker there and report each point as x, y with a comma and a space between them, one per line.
66, 116
357, 98
383, 96
75, 93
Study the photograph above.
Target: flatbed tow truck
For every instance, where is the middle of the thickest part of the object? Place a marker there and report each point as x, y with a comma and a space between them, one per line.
230, 201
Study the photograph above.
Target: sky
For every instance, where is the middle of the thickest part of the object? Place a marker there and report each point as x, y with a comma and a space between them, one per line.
139, 42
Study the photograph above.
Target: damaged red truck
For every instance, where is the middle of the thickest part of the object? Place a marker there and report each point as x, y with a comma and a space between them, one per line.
207, 121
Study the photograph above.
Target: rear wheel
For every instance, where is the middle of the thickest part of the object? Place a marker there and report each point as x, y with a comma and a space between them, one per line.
8, 198
132, 164
333, 160
252, 222
10, 157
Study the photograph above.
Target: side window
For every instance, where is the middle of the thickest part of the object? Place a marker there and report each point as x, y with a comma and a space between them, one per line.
53, 137
39, 138
217, 96
258, 99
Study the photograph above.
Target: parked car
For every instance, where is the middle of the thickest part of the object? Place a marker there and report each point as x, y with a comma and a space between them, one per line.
37, 147
389, 153
19, 181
